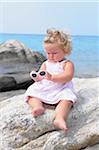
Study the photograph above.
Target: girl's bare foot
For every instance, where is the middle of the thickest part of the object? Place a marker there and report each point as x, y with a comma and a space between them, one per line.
38, 111
61, 124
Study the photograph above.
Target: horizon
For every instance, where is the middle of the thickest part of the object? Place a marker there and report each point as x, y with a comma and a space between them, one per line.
44, 34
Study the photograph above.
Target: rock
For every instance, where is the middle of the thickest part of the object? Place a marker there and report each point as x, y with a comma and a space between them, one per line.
16, 62
13, 50
20, 127
20, 131
9, 94
7, 82
94, 147
84, 125
19, 72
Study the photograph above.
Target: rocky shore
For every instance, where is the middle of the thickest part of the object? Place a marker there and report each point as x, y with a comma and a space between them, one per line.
19, 130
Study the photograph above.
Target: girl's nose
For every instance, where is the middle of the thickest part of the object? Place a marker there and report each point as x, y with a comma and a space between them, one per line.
51, 56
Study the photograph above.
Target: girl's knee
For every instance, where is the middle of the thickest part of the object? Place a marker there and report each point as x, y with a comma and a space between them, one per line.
66, 102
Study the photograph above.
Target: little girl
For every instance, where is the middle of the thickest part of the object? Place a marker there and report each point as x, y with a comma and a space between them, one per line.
56, 87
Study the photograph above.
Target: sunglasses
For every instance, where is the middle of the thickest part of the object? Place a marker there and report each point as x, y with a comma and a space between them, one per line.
35, 74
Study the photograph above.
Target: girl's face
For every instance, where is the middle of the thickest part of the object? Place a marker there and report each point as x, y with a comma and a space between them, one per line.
54, 52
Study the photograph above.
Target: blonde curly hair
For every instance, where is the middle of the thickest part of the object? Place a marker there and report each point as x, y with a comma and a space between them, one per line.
60, 37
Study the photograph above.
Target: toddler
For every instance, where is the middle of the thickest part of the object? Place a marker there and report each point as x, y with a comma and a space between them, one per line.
55, 87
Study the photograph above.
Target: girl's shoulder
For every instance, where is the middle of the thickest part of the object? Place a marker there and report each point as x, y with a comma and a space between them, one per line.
68, 63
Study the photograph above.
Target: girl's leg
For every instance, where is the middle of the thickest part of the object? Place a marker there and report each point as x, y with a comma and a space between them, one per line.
37, 106
62, 111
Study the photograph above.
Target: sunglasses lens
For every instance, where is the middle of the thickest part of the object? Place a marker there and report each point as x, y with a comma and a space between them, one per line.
34, 75
42, 73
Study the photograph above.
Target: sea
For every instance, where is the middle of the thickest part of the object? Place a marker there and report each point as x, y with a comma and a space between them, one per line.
85, 53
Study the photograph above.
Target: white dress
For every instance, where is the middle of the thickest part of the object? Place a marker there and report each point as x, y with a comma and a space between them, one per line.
51, 92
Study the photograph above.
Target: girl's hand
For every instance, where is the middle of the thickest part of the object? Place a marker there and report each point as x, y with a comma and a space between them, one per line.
39, 78
48, 76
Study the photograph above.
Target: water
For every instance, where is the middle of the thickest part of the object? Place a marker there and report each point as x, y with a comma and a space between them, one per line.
85, 54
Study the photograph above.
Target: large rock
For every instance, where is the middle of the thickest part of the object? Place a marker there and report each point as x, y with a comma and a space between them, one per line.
13, 50
20, 131
16, 62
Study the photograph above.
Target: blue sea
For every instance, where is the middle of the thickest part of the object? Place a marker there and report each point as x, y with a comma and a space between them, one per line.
85, 54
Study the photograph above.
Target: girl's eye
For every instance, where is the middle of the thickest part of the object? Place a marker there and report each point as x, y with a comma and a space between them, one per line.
54, 53
50, 53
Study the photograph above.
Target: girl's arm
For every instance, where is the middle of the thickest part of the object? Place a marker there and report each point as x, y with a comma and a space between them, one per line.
65, 76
